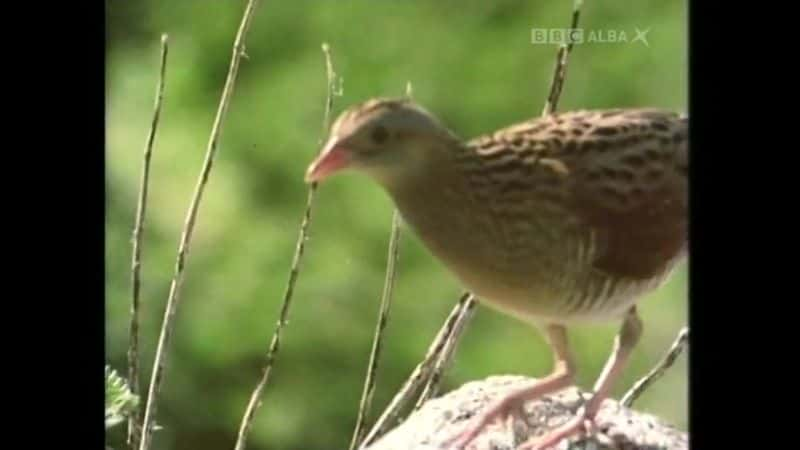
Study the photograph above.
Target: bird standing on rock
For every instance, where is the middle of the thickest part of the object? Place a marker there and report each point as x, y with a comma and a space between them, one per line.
563, 219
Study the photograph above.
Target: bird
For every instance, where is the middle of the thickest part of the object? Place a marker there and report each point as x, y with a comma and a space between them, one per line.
558, 220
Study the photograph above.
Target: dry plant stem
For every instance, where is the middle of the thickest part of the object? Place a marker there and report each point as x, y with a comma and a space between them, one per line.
383, 317
446, 355
669, 359
560, 69
136, 265
331, 79
274, 346
173, 299
422, 371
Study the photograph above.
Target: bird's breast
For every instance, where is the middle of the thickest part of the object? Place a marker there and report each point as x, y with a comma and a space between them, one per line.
464, 236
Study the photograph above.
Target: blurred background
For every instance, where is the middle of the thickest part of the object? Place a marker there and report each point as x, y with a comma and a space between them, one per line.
470, 62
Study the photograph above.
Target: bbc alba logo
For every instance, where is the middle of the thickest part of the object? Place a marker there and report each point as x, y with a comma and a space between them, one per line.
565, 36
558, 36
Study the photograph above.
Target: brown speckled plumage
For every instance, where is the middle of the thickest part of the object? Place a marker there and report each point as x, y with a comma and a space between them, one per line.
564, 217
594, 200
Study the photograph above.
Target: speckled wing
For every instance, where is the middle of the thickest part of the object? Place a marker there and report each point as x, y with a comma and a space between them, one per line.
613, 182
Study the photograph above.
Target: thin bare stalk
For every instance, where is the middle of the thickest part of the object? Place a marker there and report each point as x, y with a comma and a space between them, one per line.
560, 69
669, 359
134, 421
446, 355
274, 346
409, 90
173, 298
421, 373
332, 92
383, 318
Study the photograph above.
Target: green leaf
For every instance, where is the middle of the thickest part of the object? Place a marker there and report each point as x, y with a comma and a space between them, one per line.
120, 401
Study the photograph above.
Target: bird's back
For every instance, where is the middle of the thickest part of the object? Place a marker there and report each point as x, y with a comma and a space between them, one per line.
572, 215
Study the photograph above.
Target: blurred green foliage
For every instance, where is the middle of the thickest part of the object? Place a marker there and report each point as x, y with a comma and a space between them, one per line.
473, 64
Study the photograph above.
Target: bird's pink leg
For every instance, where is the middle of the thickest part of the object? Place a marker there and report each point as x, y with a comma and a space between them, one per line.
624, 343
562, 376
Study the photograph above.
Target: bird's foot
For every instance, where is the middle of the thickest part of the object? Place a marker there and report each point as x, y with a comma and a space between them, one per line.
499, 411
583, 424
506, 406
504, 410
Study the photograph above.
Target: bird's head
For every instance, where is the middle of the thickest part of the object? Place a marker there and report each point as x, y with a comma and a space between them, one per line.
387, 139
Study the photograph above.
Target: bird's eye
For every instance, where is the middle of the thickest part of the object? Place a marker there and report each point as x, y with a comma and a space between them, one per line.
379, 134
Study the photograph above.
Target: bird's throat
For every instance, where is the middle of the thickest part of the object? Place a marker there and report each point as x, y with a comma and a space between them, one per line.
454, 227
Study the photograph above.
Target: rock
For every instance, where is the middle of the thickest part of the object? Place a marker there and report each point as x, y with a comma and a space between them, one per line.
618, 427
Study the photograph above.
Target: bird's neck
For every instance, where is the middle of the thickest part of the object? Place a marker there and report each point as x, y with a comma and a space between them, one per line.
421, 191
436, 202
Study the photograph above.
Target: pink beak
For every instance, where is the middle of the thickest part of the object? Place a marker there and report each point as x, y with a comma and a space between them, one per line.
332, 159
